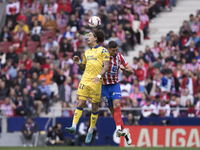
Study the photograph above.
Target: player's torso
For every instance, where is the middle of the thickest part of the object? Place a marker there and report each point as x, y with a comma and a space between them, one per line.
111, 76
94, 62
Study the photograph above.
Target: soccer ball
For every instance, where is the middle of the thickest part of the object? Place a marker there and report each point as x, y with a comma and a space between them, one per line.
94, 22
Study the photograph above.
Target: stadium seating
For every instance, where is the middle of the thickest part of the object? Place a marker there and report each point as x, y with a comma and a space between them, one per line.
5, 46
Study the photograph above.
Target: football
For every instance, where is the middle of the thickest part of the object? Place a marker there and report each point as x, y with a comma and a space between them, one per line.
94, 22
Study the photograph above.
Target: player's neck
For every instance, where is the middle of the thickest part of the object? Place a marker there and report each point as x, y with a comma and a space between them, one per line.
93, 45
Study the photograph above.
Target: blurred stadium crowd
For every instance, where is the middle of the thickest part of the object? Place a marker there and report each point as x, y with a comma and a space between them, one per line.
41, 36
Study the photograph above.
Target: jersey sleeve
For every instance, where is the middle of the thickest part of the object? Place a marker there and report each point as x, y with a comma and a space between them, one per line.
124, 62
105, 54
84, 60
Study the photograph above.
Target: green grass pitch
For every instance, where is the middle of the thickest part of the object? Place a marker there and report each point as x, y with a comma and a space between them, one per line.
94, 148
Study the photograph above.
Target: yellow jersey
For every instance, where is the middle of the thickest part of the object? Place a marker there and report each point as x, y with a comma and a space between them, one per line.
93, 60
25, 28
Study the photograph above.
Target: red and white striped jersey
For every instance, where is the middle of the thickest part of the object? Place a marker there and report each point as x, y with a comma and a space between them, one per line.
138, 8
111, 76
7, 110
197, 108
156, 51
162, 44
145, 19
184, 67
191, 66
148, 110
163, 111
146, 2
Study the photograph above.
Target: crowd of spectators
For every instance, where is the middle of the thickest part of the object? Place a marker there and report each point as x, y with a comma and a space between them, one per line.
40, 38
166, 76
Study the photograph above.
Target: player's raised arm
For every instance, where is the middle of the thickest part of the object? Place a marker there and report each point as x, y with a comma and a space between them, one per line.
106, 62
105, 67
103, 71
77, 60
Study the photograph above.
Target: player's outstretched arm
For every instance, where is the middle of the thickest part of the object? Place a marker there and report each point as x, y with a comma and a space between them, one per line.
128, 69
81, 65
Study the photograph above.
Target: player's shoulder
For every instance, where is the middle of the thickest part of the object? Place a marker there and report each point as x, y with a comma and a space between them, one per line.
103, 50
121, 56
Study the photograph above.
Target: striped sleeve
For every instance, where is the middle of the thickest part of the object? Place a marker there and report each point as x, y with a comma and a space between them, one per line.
123, 60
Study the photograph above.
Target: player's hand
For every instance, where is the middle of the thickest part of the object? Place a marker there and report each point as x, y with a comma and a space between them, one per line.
76, 59
122, 67
95, 80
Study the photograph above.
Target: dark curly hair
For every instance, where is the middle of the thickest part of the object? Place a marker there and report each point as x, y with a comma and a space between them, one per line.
99, 34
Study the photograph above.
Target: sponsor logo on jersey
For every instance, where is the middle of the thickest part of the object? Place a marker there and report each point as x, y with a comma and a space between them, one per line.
91, 57
114, 93
114, 69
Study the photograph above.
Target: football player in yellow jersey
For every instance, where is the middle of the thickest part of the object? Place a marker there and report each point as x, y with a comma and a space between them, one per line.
95, 64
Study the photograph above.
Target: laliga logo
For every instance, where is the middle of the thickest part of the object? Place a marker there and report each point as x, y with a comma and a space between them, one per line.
169, 136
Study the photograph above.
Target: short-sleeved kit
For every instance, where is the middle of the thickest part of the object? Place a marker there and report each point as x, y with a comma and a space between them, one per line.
93, 59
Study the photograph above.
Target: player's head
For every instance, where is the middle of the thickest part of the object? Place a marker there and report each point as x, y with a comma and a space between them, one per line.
95, 36
113, 48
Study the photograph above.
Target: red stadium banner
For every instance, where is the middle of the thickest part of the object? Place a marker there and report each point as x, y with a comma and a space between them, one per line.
163, 136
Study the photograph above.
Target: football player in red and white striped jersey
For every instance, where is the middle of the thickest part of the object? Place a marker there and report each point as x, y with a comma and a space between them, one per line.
111, 92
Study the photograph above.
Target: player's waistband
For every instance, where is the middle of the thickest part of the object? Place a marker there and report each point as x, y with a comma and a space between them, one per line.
111, 83
89, 80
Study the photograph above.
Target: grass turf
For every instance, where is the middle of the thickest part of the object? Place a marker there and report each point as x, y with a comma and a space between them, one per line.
92, 148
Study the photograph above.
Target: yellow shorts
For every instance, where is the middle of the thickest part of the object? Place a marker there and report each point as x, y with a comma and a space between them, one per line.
88, 89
